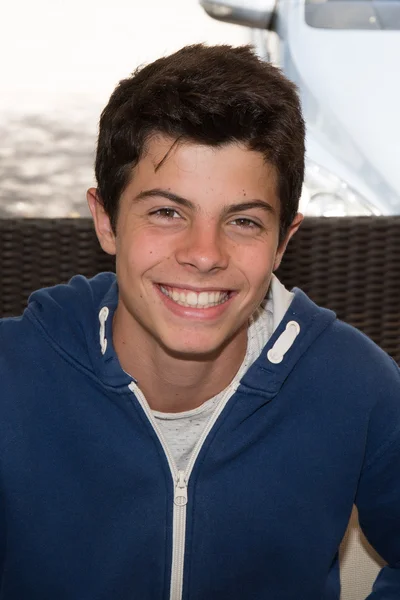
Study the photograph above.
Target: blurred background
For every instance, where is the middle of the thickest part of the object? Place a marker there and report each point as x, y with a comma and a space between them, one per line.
61, 61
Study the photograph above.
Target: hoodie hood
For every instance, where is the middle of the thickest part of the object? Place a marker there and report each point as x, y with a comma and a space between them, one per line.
72, 317
77, 320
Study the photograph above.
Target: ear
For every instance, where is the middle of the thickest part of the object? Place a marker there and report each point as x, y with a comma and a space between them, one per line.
101, 220
290, 232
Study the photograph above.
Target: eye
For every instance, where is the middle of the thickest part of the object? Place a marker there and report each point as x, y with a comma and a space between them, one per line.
245, 223
166, 213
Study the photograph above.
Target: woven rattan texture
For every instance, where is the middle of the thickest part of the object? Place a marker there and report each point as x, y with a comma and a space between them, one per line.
350, 265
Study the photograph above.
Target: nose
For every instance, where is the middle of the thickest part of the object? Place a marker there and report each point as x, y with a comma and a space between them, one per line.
203, 248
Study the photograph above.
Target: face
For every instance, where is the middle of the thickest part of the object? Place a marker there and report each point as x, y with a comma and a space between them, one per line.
196, 243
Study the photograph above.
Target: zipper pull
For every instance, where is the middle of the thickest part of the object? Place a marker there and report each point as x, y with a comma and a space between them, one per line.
180, 496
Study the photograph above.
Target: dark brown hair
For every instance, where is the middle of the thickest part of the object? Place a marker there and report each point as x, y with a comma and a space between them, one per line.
211, 95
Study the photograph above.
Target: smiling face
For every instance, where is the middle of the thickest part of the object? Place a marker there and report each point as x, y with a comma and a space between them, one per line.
196, 243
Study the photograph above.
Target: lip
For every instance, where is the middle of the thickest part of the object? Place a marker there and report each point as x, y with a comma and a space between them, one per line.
189, 312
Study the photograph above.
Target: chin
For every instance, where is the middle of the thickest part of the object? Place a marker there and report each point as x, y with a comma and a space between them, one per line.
192, 350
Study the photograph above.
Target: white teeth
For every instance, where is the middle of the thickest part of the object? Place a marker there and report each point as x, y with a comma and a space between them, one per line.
194, 300
191, 298
205, 298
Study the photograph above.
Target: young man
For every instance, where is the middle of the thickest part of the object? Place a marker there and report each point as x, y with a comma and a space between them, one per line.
191, 429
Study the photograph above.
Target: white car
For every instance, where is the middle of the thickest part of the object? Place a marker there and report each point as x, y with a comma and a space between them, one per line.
344, 57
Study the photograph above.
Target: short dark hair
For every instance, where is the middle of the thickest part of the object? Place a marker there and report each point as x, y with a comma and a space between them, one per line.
212, 95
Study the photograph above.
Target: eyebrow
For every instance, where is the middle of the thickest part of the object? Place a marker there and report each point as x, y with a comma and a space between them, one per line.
228, 209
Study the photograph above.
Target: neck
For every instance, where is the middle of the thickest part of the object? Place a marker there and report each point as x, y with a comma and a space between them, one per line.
174, 384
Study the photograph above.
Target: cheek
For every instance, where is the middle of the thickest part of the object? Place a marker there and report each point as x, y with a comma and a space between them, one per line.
141, 250
258, 273
256, 263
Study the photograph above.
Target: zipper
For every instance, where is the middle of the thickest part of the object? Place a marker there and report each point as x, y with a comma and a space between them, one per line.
181, 480
178, 536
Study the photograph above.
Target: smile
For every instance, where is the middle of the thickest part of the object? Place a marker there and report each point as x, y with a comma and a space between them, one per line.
194, 299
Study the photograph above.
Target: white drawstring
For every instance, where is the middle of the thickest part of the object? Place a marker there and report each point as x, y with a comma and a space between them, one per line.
283, 343
103, 314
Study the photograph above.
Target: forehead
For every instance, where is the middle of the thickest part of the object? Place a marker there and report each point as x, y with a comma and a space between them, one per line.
198, 171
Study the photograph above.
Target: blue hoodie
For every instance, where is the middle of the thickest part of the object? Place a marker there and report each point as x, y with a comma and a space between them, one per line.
90, 509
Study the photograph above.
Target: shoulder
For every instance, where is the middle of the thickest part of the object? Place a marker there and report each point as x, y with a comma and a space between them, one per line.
349, 345
360, 376
341, 360
15, 331
336, 343
21, 349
